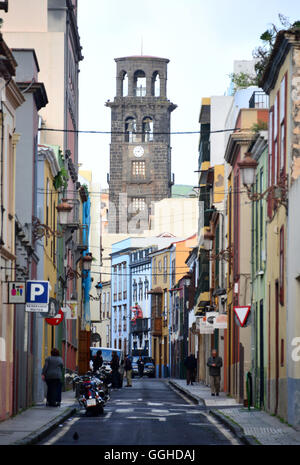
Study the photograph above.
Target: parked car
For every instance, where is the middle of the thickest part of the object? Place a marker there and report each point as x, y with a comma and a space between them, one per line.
149, 366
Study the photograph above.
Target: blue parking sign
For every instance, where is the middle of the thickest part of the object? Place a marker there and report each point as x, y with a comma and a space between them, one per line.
37, 295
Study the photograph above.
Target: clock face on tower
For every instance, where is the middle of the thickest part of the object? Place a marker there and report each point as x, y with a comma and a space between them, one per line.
138, 151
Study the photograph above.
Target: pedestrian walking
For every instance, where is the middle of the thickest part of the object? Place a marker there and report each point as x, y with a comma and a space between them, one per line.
128, 370
214, 363
115, 375
98, 361
191, 368
52, 374
140, 366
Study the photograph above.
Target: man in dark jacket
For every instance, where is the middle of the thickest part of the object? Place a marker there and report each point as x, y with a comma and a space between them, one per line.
191, 367
128, 369
214, 363
98, 361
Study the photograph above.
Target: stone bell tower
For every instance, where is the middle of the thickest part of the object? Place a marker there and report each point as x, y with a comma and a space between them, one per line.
140, 151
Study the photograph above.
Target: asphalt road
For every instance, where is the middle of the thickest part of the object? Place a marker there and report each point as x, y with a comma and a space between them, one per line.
149, 413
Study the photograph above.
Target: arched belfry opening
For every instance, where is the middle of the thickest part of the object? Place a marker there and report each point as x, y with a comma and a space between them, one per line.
139, 83
155, 85
124, 84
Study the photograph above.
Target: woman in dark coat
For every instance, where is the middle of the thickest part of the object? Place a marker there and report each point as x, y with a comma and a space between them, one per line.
114, 364
52, 374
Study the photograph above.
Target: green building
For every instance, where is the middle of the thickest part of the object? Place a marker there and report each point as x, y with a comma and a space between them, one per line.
259, 151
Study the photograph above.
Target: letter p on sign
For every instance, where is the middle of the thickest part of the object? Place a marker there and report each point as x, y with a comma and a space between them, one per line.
37, 292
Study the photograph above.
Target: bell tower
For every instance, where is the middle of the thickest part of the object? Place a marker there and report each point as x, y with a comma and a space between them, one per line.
140, 151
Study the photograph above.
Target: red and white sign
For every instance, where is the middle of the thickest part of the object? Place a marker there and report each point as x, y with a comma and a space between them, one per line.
242, 313
56, 320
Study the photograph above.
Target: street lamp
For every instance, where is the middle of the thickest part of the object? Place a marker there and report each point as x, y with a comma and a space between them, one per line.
99, 289
208, 238
248, 169
87, 262
63, 209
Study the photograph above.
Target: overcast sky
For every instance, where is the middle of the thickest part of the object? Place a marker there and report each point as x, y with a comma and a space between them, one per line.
201, 38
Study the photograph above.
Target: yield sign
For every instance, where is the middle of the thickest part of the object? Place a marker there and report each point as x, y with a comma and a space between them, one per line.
56, 320
242, 313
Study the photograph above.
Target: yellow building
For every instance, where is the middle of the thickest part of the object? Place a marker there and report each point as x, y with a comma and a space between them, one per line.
48, 168
168, 267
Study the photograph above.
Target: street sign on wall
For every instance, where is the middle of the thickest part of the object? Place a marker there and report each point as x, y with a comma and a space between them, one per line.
16, 292
242, 313
37, 296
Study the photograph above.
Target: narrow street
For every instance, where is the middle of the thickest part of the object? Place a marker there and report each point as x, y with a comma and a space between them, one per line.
149, 413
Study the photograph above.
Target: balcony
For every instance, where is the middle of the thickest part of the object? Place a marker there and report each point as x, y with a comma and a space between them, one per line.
140, 325
156, 327
259, 100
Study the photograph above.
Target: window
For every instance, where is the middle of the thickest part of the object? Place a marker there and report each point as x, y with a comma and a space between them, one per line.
154, 271
282, 121
173, 272
124, 280
146, 287
147, 129
281, 267
165, 268
138, 204
140, 289
130, 129
270, 145
134, 291
261, 211
139, 169
114, 282
120, 281
107, 304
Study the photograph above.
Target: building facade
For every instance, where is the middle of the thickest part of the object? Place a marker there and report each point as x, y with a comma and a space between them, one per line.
11, 99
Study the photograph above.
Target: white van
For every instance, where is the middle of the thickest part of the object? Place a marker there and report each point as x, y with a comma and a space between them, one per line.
107, 356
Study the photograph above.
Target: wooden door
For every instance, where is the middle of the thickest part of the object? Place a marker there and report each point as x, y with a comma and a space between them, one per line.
84, 352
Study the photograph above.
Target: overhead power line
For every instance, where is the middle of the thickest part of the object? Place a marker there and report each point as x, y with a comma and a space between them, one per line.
78, 131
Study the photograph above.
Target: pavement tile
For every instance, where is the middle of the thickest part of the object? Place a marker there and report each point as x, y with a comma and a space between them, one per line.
27, 426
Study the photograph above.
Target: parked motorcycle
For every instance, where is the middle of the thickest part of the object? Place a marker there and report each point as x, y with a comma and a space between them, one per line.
89, 392
104, 376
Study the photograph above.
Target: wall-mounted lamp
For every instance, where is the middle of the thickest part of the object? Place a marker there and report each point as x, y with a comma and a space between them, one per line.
63, 209
248, 169
87, 262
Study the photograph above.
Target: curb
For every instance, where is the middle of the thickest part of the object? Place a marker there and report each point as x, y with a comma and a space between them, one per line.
192, 397
236, 429
38, 435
